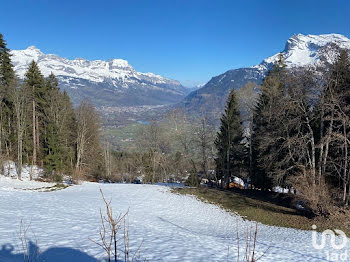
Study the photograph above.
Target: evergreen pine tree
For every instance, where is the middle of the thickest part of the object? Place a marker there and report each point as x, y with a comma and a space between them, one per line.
69, 133
7, 74
54, 150
7, 85
36, 87
265, 125
60, 129
259, 178
51, 82
52, 147
229, 141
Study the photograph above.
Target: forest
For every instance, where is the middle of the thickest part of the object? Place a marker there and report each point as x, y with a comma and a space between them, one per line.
39, 126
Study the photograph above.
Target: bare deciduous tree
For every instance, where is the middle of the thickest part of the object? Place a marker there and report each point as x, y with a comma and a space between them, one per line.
111, 226
88, 135
20, 101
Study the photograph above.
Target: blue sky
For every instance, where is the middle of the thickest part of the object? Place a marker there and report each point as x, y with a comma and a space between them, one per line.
187, 40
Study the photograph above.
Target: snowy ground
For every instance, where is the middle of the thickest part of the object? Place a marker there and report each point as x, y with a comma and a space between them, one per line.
9, 184
172, 227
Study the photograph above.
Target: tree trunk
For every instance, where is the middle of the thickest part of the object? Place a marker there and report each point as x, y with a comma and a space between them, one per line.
20, 156
34, 134
321, 147
345, 171
251, 149
80, 151
227, 174
108, 163
37, 137
1, 131
330, 131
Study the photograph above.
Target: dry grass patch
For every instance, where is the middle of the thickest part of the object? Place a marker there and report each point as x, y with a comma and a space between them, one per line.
262, 208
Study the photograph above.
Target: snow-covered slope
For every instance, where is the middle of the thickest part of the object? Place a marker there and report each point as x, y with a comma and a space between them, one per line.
300, 51
304, 50
171, 228
96, 71
105, 83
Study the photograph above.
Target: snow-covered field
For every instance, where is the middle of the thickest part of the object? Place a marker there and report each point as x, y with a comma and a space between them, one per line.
172, 227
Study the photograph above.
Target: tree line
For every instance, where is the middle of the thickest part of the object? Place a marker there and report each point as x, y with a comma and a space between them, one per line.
298, 133
39, 126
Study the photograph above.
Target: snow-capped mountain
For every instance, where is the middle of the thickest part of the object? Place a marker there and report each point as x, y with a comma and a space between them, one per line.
105, 83
304, 50
300, 51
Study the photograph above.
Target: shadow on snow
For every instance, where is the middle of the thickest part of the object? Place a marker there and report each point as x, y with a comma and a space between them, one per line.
54, 254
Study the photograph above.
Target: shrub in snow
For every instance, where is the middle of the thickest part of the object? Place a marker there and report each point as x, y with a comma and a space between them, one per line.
9, 169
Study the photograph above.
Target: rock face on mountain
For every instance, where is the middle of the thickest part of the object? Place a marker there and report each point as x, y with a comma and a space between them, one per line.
106, 83
300, 50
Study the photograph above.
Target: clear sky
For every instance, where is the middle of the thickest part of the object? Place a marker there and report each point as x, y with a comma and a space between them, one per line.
187, 40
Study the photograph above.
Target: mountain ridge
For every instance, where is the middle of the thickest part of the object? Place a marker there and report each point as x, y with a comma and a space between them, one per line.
300, 50
106, 83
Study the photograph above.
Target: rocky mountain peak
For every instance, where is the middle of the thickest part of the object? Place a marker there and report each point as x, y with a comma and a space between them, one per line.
302, 50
